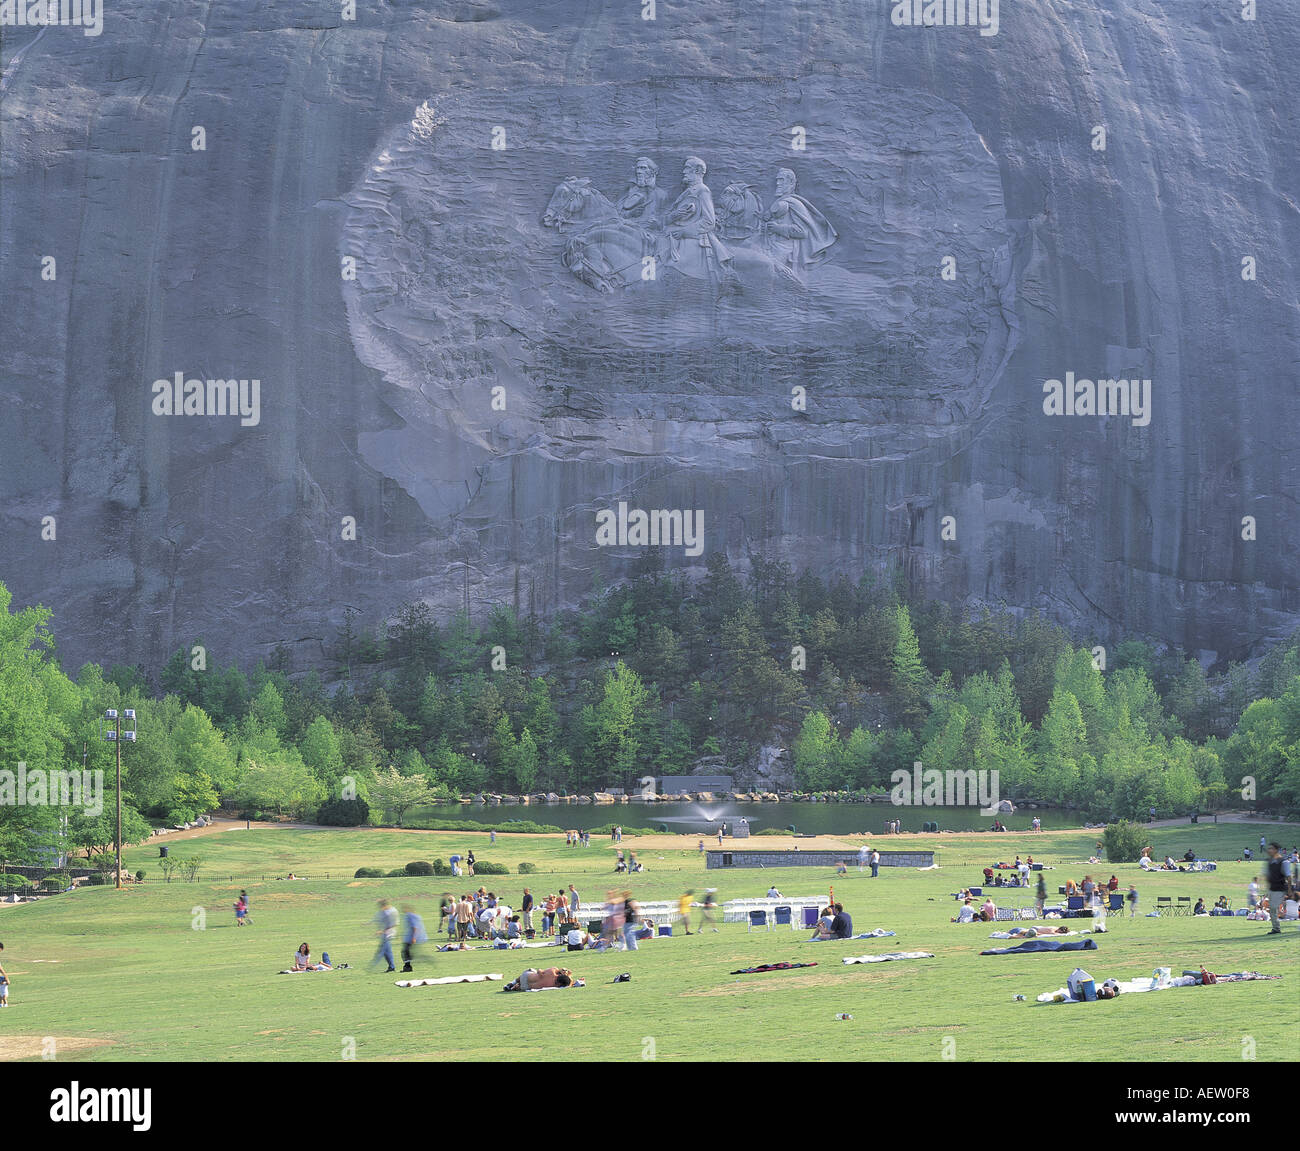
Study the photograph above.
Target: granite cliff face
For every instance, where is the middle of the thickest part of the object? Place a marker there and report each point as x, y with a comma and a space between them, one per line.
475, 323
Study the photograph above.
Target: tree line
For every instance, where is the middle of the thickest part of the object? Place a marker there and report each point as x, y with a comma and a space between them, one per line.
856, 679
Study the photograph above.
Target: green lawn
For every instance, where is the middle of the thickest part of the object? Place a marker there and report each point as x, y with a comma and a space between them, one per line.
131, 968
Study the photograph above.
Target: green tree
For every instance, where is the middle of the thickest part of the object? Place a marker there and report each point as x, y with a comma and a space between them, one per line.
910, 680
396, 793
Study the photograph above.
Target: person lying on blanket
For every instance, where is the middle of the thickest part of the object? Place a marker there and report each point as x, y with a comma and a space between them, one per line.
535, 980
1034, 932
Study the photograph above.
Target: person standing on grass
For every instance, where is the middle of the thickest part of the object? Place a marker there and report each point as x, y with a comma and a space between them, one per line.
1278, 873
1132, 898
1040, 895
4, 984
526, 909
386, 921
684, 909
413, 934
573, 903
875, 864
630, 925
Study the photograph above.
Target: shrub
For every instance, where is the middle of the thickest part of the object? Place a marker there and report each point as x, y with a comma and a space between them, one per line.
139, 876
441, 867
344, 813
420, 867
1124, 841
482, 867
369, 873
608, 829
521, 826
97, 879
527, 868
770, 831
397, 873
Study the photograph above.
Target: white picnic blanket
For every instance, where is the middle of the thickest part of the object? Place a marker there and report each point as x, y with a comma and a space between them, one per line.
891, 955
448, 979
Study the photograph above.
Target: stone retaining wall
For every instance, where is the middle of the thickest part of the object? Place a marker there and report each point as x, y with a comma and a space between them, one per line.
750, 858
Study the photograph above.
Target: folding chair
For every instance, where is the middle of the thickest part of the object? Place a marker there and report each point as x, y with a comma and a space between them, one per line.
758, 919
810, 917
1165, 903
784, 917
1074, 905
1116, 902
1184, 905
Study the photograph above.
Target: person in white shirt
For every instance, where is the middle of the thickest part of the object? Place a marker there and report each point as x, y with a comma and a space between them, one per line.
966, 914
772, 892
1252, 894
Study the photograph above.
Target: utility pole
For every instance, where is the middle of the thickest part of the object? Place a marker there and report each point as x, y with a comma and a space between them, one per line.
115, 735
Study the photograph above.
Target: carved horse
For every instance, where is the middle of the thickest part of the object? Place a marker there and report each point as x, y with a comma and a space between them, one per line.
608, 252
740, 212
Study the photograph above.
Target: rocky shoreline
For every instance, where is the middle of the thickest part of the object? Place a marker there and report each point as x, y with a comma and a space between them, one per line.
605, 798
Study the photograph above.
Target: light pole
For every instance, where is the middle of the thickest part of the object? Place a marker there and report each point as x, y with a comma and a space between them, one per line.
115, 735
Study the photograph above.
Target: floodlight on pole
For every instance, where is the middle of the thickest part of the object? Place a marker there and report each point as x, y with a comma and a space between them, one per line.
115, 734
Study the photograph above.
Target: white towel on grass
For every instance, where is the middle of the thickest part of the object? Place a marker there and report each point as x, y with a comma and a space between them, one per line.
891, 955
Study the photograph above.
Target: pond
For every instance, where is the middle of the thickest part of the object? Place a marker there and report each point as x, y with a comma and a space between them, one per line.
700, 819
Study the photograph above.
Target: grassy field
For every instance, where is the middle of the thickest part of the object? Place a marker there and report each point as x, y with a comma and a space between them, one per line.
127, 976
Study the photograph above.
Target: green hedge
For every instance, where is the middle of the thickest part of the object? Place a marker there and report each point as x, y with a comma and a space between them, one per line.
608, 829
527, 868
369, 873
483, 867
514, 826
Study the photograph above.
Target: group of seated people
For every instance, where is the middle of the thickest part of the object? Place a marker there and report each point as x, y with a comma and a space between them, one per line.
627, 866
834, 923
969, 913
1086, 887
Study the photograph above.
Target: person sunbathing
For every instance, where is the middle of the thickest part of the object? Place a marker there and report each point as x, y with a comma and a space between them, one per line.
1034, 932
535, 980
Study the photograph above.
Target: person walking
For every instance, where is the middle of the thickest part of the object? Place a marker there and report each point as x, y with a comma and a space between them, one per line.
413, 934
1040, 895
1278, 873
684, 909
1132, 898
706, 912
241, 909
4, 984
386, 921
630, 925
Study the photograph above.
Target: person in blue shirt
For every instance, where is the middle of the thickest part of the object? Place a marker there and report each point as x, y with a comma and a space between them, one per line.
841, 923
413, 933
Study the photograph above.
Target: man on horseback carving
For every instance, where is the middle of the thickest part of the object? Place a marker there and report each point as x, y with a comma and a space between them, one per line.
691, 243
643, 203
